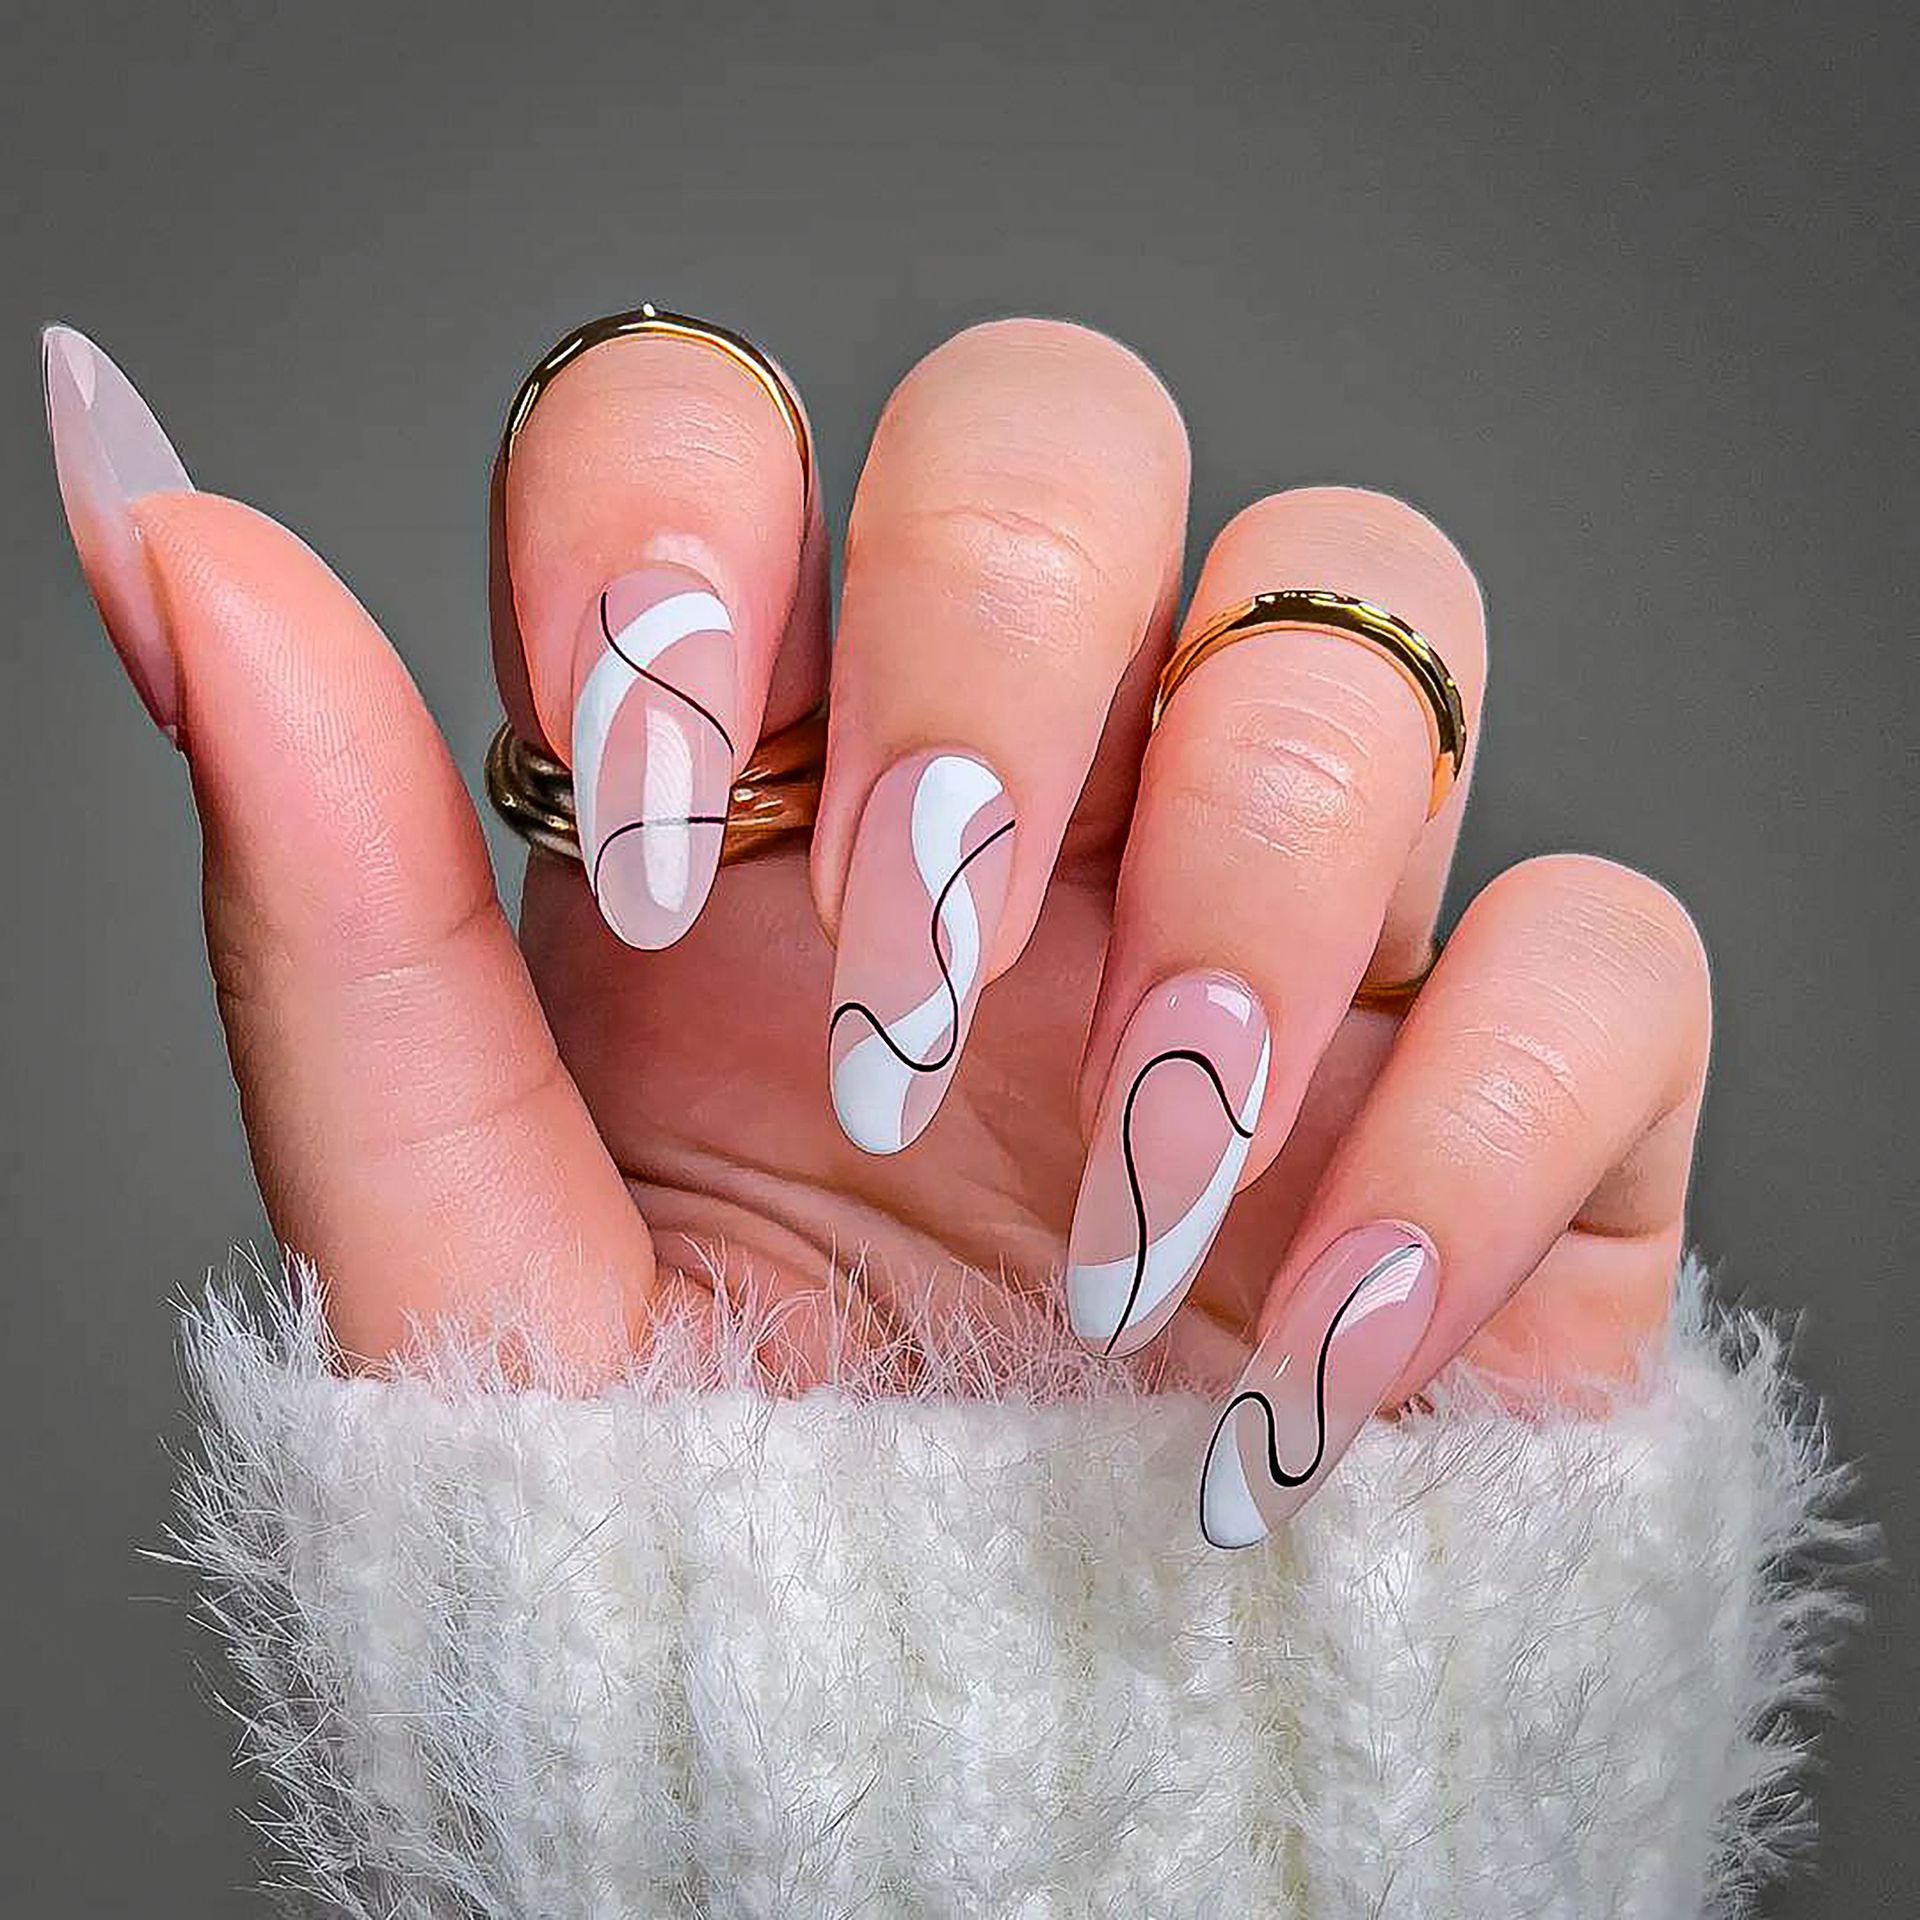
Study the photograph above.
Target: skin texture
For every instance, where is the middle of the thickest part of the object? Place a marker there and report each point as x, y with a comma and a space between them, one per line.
589, 1126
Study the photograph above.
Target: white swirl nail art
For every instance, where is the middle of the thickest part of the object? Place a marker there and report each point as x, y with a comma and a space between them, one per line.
924, 895
1169, 1145
653, 750
1349, 1331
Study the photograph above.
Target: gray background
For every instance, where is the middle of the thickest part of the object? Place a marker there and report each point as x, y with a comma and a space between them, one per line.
1631, 309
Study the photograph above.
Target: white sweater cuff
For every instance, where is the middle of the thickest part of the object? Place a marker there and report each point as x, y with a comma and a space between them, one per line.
685, 1650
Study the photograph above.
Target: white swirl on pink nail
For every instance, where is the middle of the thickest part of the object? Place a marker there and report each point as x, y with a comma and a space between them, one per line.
615, 674
1097, 1290
872, 1080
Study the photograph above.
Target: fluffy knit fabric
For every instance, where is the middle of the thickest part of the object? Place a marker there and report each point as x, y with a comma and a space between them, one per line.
687, 1650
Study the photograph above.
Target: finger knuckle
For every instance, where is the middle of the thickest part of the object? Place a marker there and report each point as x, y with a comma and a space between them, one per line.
1303, 763
1056, 402
1289, 783
1358, 519
708, 438
1013, 555
1623, 925
1519, 1090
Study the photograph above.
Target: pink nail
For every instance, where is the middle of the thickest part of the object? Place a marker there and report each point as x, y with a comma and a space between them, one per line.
1169, 1143
654, 729
925, 890
109, 451
1346, 1336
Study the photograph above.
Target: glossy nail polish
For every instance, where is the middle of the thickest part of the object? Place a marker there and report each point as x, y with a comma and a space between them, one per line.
925, 890
108, 452
654, 749
1347, 1334
1170, 1140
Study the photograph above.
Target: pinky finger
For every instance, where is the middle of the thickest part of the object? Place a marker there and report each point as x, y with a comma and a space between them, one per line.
1518, 1173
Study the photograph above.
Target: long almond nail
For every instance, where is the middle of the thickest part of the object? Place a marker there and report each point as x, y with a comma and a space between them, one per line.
109, 451
654, 728
1169, 1144
1346, 1336
925, 890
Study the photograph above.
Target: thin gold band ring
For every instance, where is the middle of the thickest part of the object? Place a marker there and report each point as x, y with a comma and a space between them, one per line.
1395, 996
648, 319
1315, 609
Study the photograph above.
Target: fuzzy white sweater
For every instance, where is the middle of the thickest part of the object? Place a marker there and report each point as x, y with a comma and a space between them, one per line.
686, 1650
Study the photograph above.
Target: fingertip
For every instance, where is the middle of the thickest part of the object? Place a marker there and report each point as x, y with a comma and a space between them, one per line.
207, 544
323, 782
642, 453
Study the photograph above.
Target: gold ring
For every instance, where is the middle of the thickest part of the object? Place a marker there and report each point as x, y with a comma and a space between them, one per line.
1396, 996
1315, 609
775, 797
649, 319
778, 791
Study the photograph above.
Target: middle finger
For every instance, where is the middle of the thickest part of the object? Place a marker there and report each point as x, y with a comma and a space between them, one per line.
1014, 544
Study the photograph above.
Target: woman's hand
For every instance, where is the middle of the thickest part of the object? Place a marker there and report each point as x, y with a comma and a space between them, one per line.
1153, 944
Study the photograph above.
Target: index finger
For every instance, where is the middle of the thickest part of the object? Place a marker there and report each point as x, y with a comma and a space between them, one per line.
652, 567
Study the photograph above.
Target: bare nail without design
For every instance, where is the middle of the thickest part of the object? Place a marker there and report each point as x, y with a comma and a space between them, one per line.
108, 452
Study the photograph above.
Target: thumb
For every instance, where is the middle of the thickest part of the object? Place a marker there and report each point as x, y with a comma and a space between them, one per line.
412, 1127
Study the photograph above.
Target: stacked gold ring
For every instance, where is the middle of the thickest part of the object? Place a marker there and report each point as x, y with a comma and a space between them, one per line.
775, 797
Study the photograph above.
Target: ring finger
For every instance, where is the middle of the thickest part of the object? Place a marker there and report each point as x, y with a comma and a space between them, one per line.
1280, 846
